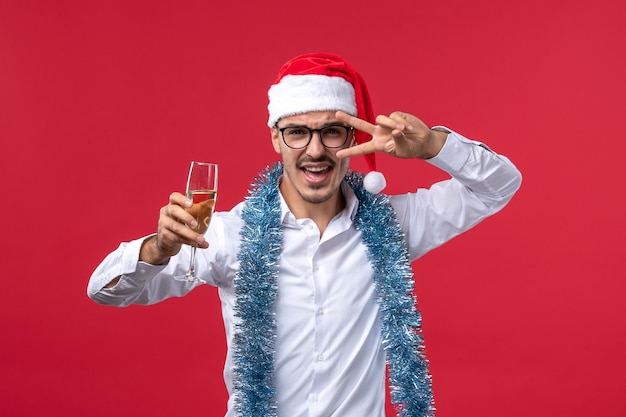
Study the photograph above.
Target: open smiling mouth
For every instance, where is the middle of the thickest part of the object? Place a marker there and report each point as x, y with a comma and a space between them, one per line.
316, 174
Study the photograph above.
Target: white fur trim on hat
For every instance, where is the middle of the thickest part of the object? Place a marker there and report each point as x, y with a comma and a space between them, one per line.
296, 94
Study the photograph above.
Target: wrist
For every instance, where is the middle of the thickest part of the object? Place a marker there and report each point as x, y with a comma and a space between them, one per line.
435, 142
150, 253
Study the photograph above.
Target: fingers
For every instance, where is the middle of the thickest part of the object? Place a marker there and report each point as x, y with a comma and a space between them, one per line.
399, 121
410, 122
180, 200
355, 122
365, 148
174, 234
390, 122
381, 133
400, 134
394, 125
176, 226
176, 210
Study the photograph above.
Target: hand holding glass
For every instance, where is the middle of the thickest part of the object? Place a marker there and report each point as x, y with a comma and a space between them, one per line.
202, 191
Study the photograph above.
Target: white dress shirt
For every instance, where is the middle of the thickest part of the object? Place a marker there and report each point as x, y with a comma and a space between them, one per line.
329, 358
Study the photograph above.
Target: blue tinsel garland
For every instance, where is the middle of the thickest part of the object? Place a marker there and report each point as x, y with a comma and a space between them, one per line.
256, 290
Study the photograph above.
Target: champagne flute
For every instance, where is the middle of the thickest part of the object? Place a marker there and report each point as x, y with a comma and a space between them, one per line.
202, 191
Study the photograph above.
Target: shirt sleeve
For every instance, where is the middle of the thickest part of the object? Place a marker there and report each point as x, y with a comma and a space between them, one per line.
140, 282
482, 183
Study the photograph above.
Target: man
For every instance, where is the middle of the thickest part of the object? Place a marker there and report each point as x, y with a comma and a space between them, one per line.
313, 269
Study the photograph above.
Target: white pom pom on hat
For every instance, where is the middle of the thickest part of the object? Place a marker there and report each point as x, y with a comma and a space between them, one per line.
374, 182
324, 82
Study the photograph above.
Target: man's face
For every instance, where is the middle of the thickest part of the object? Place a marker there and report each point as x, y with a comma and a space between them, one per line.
312, 173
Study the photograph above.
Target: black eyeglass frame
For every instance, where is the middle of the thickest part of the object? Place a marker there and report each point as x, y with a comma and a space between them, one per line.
319, 133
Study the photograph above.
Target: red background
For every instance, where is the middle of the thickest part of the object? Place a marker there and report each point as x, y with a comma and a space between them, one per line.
103, 105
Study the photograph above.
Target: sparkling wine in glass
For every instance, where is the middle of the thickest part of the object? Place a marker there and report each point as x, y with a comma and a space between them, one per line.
202, 191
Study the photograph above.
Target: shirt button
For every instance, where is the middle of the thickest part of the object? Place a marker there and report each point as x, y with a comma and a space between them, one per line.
320, 311
314, 398
320, 357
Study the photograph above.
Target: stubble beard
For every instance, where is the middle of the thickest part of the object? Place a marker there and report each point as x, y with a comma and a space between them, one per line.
318, 199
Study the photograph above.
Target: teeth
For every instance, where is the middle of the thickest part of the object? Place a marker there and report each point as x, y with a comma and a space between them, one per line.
316, 169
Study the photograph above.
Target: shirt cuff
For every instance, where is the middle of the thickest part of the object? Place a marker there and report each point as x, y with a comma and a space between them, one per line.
146, 271
454, 153
133, 267
123, 262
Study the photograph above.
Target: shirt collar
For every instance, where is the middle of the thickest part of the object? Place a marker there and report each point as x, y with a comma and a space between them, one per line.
349, 211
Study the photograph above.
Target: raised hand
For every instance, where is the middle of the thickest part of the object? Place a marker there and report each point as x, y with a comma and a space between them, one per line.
399, 134
175, 228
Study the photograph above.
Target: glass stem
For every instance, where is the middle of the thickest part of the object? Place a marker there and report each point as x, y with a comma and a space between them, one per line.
191, 273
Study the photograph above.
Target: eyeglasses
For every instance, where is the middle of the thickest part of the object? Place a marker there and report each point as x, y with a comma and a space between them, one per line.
331, 136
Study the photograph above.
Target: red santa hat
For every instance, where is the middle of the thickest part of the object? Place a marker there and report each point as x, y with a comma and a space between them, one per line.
324, 82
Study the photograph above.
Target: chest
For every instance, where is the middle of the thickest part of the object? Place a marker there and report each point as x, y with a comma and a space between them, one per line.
332, 273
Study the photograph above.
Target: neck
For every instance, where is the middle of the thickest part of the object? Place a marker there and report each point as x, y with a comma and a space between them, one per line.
320, 212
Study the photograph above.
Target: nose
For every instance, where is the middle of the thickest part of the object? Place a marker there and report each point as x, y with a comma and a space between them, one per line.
315, 146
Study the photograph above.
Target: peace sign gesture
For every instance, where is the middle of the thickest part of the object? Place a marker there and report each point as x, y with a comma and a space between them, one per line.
400, 134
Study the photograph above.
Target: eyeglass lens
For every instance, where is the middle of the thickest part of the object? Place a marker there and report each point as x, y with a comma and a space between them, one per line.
298, 137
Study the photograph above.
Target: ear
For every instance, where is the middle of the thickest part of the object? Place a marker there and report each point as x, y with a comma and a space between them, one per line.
275, 139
